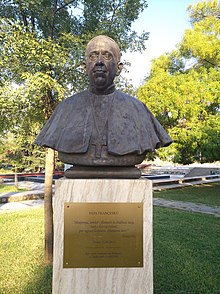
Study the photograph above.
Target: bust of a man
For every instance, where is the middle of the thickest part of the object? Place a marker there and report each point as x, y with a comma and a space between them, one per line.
102, 126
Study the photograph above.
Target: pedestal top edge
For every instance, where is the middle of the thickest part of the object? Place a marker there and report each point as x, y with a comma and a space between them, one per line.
103, 180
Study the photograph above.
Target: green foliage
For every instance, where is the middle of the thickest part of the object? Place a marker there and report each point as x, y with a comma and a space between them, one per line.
186, 100
116, 21
202, 41
204, 9
25, 53
41, 51
171, 63
18, 151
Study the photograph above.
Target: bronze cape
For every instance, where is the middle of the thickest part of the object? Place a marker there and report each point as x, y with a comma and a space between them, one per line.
132, 128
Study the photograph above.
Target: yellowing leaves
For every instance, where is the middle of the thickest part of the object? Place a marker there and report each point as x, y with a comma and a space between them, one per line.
186, 100
203, 40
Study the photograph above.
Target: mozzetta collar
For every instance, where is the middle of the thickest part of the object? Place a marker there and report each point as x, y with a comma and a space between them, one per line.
107, 91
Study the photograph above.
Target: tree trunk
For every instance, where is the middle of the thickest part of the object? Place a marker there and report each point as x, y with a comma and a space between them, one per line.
48, 207
16, 178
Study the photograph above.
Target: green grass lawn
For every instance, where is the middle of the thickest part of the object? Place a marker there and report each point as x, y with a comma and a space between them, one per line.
9, 188
186, 253
208, 194
21, 253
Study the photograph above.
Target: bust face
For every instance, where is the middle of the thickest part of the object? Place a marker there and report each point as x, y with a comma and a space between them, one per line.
101, 63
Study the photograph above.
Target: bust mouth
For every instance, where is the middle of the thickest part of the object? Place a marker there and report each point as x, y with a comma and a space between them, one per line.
99, 73
99, 70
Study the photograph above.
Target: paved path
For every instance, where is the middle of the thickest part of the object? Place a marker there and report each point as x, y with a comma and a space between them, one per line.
34, 189
20, 205
188, 206
38, 188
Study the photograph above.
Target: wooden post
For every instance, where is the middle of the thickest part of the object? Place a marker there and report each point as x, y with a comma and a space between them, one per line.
48, 207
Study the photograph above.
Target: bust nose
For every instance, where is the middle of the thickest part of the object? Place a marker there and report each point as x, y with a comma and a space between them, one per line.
99, 63
99, 60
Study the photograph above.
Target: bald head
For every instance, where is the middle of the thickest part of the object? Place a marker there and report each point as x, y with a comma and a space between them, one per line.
105, 42
102, 62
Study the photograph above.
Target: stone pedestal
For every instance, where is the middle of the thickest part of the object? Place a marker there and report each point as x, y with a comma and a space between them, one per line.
138, 280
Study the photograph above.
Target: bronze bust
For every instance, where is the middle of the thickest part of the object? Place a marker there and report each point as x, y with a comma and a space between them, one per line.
102, 127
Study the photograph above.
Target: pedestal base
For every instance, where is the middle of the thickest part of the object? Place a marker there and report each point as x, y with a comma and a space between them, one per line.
102, 280
103, 172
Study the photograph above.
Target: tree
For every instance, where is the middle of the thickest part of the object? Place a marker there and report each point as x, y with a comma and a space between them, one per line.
202, 41
183, 90
17, 151
41, 49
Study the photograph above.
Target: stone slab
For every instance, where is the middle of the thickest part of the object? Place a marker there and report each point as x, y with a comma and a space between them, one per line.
202, 171
102, 280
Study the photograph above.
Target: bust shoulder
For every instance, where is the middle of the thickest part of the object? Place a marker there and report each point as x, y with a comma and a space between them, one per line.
75, 97
128, 101
75, 101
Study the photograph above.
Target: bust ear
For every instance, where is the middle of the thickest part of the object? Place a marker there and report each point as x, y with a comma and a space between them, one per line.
84, 66
119, 69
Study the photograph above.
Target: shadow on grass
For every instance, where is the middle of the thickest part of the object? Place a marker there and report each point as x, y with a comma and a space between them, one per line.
41, 282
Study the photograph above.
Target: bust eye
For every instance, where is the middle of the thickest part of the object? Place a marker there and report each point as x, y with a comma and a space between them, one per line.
93, 56
107, 56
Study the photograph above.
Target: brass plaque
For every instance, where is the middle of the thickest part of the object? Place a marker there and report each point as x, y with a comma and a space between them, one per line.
103, 235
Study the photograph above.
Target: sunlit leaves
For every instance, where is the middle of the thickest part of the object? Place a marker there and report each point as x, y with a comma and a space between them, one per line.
185, 104
115, 22
204, 9
23, 51
186, 100
42, 46
203, 40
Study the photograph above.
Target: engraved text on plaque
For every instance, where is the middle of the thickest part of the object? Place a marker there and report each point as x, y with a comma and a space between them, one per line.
103, 235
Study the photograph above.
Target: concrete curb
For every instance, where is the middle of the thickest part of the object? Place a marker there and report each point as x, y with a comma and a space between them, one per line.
187, 206
21, 196
21, 205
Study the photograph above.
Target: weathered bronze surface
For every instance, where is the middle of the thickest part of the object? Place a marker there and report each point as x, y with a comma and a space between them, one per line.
102, 126
103, 235
103, 172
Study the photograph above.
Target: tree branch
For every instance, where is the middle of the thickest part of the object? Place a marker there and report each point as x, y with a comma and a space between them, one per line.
63, 6
33, 23
23, 15
209, 62
56, 9
53, 18
115, 8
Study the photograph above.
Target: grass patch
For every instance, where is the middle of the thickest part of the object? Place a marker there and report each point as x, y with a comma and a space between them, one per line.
186, 252
208, 194
22, 267
8, 188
